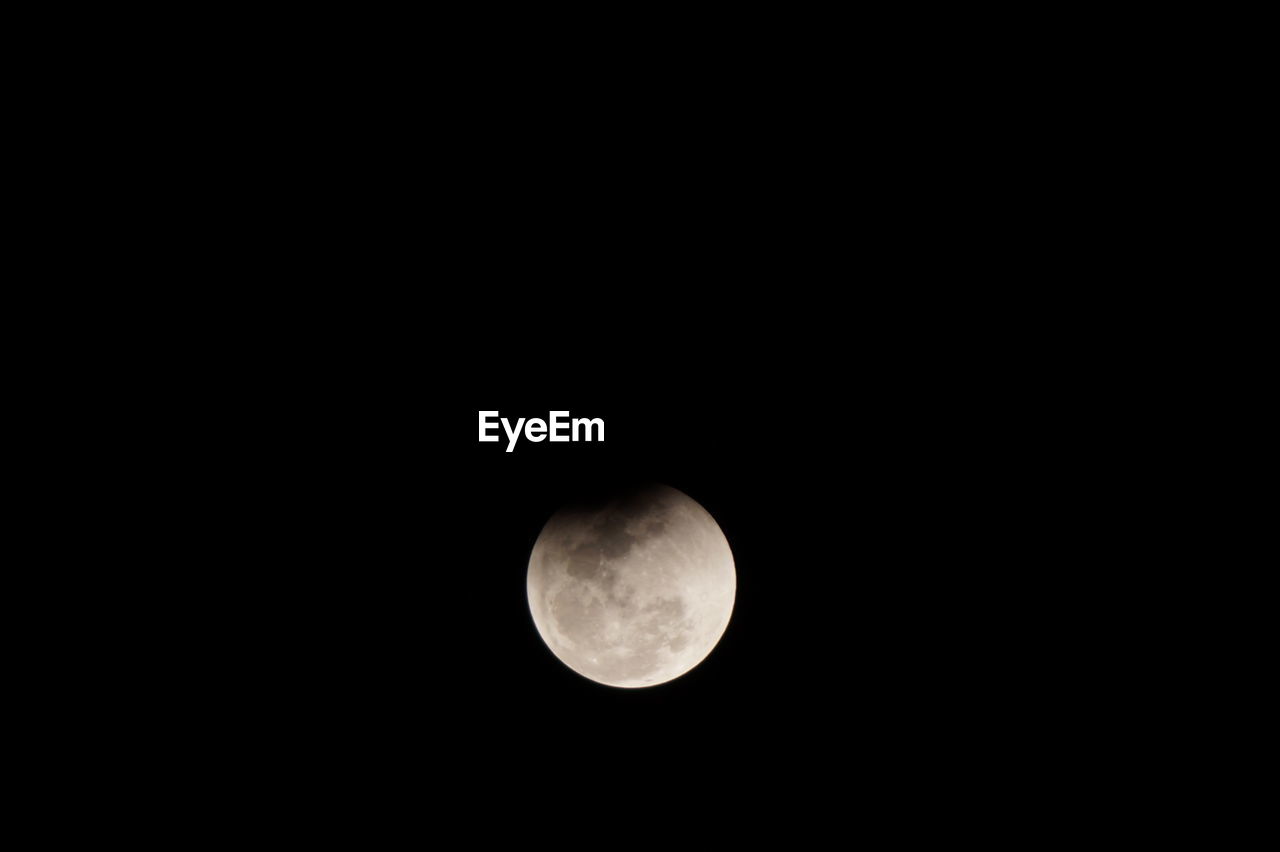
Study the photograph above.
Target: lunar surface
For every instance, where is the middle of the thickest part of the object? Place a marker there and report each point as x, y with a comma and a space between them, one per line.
634, 591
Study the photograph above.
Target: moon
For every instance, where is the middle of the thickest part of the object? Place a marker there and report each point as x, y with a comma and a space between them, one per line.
633, 591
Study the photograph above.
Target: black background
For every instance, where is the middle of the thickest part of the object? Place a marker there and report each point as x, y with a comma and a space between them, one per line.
902, 500
902, 505
853, 328
896, 581
869, 433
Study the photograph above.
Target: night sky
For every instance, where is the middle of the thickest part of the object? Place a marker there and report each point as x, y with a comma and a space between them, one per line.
888, 637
